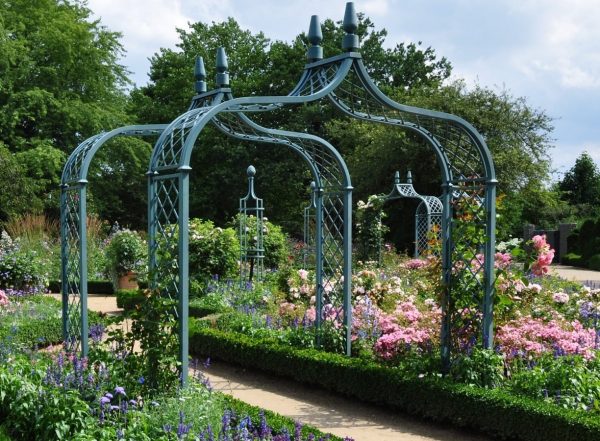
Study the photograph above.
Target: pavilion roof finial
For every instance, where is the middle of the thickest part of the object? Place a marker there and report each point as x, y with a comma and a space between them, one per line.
315, 37
397, 178
409, 177
350, 25
222, 68
200, 75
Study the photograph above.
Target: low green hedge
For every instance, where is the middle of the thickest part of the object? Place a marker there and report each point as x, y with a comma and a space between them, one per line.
491, 411
573, 260
40, 331
94, 286
127, 299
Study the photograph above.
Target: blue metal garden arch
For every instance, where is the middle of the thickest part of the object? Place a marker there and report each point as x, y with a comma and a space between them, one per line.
464, 159
73, 226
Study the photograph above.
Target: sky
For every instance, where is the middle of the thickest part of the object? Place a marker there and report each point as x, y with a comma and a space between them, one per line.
547, 51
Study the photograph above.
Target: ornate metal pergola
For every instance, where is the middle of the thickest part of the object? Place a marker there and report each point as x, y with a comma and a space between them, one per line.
464, 161
428, 215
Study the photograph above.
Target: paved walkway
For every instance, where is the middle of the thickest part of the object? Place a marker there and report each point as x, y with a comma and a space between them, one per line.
579, 274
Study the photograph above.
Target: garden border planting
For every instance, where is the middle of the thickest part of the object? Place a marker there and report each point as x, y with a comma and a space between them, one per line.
493, 412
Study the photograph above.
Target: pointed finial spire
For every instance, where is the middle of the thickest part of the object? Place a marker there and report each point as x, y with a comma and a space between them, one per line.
397, 178
222, 68
409, 177
350, 25
315, 37
200, 75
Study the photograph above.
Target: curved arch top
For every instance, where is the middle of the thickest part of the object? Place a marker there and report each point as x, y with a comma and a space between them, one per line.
78, 164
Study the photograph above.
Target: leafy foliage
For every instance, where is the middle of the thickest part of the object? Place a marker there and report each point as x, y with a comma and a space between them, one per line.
213, 250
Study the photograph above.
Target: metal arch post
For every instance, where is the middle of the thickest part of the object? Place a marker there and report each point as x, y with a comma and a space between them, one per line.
348, 268
63, 263
446, 234
184, 280
319, 257
489, 277
83, 273
152, 282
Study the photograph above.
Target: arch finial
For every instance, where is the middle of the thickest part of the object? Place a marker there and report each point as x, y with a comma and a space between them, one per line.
397, 178
350, 25
409, 177
251, 171
315, 37
222, 68
200, 75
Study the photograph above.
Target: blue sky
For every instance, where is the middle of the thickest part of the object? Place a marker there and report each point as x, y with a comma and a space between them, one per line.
547, 51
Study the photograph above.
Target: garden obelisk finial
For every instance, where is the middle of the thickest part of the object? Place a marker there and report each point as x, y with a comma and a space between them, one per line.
222, 68
350, 25
315, 36
200, 74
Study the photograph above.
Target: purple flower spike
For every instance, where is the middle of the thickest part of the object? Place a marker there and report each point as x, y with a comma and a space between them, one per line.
108, 395
104, 400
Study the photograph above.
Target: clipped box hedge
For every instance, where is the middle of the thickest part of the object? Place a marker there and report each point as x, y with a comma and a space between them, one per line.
491, 411
128, 299
94, 286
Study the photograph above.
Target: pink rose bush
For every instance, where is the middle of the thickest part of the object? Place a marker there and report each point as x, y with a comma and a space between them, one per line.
530, 336
4, 300
543, 255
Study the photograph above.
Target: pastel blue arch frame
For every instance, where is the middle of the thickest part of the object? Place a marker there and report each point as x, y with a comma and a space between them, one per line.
73, 226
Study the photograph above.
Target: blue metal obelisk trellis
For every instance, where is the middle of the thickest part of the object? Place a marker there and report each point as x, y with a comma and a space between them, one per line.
251, 230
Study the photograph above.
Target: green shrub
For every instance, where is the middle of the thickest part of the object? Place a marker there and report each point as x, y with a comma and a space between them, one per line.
492, 411
213, 250
594, 262
573, 259
128, 299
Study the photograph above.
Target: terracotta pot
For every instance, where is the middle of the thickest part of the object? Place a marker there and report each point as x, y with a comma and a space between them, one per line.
128, 281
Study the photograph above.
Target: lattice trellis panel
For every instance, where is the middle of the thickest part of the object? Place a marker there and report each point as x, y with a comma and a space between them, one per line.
165, 225
428, 230
71, 243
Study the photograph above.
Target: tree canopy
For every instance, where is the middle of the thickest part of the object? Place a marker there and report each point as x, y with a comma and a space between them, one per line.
61, 82
581, 184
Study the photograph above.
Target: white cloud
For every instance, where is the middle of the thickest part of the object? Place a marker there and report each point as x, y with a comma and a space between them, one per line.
375, 7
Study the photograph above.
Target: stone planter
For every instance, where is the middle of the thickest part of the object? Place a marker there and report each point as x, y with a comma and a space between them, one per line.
128, 281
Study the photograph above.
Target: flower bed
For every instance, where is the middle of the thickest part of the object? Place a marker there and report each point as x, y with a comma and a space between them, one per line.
546, 359
115, 393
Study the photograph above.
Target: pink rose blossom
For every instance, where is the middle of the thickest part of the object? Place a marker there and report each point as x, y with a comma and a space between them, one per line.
3, 298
